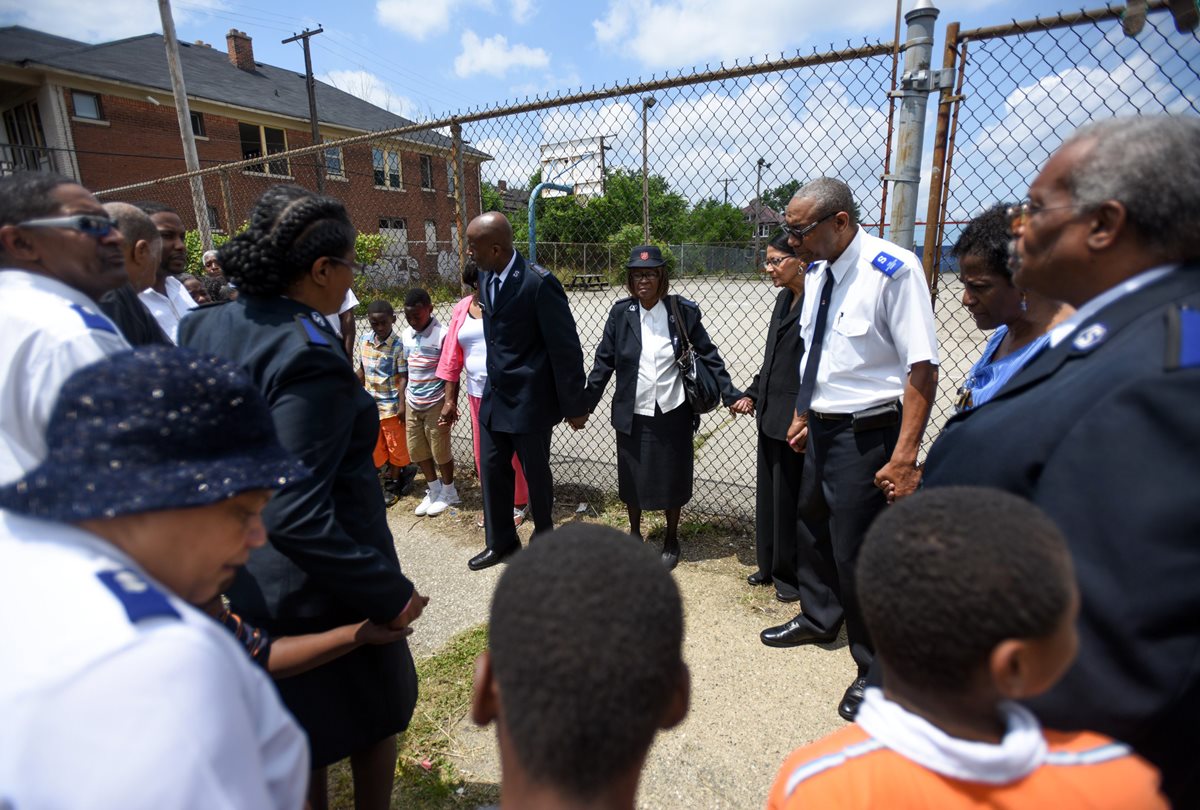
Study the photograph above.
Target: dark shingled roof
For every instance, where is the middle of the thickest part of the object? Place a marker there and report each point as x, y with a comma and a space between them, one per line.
209, 75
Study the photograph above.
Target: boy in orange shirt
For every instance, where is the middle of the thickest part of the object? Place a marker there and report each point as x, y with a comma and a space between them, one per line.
970, 598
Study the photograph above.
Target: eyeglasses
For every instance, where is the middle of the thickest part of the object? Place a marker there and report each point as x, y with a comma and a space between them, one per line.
644, 275
778, 260
800, 233
355, 267
90, 224
1020, 214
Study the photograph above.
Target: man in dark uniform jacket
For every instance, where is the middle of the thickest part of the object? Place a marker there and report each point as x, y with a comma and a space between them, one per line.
534, 379
142, 248
1102, 430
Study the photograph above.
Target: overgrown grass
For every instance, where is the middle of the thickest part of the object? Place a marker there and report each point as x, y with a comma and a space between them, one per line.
445, 696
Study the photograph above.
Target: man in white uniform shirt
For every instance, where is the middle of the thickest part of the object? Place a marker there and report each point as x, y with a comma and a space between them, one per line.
867, 380
167, 299
59, 253
115, 691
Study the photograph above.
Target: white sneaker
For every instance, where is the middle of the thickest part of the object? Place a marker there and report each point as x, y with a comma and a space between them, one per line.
446, 497
431, 496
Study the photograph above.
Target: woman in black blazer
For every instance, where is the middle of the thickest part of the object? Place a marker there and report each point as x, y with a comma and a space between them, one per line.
653, 420
772, 397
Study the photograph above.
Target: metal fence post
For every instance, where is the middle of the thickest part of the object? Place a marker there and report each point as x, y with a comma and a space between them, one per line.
917, 82
460, 193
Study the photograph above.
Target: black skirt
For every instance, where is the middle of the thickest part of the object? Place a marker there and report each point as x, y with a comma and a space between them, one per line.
654, 460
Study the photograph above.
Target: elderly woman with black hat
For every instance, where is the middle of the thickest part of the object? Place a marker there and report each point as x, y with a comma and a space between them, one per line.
654, 423
115, 691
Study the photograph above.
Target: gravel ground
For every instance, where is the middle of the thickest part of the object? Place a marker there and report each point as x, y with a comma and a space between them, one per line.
751, 705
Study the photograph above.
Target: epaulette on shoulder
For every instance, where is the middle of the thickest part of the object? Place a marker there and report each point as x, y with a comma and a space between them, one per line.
140, 599
887, 264
310, 331
541, 271
94, 320
1183, 337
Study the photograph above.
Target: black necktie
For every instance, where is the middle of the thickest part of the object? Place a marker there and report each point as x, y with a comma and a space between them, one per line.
809, 381
495, 289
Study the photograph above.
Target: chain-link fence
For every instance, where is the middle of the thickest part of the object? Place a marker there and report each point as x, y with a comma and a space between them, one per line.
720, 153
1020, 90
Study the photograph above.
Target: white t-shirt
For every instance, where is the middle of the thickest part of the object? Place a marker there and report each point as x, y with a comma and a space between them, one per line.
474, 348
115, 693
48, 331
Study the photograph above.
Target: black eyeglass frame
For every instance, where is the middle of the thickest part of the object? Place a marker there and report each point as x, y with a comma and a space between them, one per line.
801, 233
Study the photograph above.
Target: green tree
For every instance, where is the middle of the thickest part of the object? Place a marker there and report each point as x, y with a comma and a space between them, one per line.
778, 197
564, 219
711, 222
492, 201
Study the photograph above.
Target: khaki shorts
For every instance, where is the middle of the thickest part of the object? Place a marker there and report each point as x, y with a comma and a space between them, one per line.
426, 438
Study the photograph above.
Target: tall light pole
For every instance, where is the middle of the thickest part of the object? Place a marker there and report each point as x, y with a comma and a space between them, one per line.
647, 103
759, 166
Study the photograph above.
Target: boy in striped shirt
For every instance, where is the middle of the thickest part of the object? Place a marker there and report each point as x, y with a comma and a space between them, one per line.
424, 393
970, 598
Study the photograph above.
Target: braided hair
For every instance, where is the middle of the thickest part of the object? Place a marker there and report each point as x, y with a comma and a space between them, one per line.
290, 228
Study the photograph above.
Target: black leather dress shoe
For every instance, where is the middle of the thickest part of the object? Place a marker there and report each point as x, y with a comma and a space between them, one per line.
781, 597
487, 558
853, 698
796, 632
758, 578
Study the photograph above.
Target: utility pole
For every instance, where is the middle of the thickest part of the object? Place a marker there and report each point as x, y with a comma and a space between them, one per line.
759, 166
311, 83
647, 103
726, 181
190, 159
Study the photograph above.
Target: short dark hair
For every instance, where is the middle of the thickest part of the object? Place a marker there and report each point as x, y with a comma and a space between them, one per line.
290, 228
947, 574
29, 195
152, 207
987, 236
586, 668
417, 297
780, 242
380, 307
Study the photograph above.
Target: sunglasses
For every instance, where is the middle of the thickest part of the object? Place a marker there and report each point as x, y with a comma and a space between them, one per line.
90, 224
358, 269
1020, 214
800, 233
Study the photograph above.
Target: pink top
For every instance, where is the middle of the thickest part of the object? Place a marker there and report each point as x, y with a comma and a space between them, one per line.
450, 365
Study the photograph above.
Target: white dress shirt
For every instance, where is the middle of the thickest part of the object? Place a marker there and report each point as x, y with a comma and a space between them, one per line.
48, 331
880, 323
169, 309
658, 376
115, 693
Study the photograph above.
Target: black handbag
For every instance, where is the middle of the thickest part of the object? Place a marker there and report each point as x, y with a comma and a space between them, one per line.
699, 383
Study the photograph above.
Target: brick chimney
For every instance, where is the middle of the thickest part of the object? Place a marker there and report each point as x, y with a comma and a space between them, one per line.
241, 53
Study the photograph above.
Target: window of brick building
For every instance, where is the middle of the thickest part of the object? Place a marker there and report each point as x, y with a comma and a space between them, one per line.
386, 165
450, 184
395, 237
198, 125
258, 141
334, 167
426, 171
430, 236
87, 105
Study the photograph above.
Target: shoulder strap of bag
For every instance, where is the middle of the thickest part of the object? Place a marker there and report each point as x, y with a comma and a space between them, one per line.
679, 325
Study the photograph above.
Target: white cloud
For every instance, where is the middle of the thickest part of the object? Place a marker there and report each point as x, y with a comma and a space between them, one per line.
419, 19
98, 22
523, 11
371, 88
495, 57
682, 33
548, 83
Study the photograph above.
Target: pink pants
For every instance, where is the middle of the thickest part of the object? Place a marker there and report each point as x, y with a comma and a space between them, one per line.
521, 494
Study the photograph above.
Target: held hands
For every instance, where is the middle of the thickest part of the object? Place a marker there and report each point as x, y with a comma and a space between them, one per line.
449, 414
898, 479
577, 422
743, 406
370, 632
797, 435
412, 611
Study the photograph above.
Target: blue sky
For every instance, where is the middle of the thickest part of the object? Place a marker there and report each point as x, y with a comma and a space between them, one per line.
422, 58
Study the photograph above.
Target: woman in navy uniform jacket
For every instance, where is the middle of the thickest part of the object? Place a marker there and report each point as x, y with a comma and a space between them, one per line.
330, 558
653, 420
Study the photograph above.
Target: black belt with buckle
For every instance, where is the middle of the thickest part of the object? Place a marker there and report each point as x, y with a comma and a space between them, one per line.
832, 417
879, 416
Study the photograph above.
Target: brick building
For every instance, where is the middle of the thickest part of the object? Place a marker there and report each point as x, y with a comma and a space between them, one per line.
104, 114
